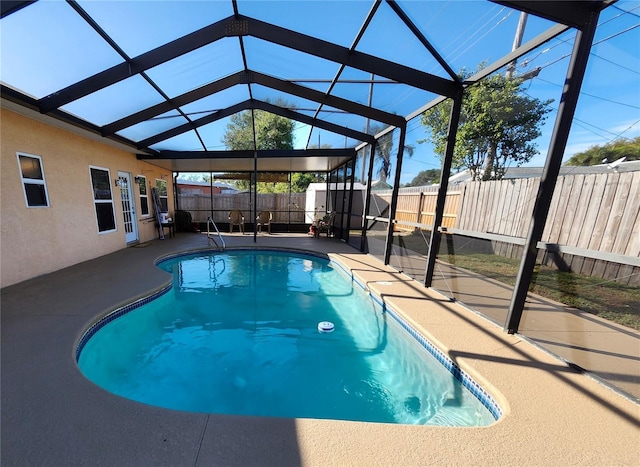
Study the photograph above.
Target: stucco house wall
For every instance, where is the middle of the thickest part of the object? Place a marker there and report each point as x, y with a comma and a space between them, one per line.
39, 240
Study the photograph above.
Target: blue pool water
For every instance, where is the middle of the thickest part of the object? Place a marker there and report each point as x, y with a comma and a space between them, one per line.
237, 333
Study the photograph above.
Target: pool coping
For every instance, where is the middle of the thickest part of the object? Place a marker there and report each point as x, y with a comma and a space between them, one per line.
52, 415
464, 377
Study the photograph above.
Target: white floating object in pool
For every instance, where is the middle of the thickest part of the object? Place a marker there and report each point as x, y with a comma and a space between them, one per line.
325, 326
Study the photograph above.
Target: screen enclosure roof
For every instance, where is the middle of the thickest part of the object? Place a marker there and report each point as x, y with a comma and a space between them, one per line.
165, 78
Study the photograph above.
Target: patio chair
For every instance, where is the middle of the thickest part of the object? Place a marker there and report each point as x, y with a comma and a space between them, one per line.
236, 218
325, 225
264, 218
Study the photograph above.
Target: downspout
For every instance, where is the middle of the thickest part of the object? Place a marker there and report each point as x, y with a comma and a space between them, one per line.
176, 202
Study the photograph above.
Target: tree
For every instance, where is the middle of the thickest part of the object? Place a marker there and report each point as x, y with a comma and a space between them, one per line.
498, 124
629, 148
425, 177
194, 177
299, 183
272, 131
384, 148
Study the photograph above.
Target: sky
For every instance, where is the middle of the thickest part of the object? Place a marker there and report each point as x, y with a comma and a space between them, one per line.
609, 104
465, 33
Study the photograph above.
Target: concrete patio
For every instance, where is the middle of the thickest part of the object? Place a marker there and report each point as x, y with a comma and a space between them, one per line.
52, 415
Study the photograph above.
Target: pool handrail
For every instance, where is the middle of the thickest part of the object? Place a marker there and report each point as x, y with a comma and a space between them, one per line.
211, 238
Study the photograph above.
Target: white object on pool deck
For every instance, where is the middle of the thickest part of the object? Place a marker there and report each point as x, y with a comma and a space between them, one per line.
325, 326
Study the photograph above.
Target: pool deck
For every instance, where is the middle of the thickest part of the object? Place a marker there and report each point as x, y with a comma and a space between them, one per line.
53, 416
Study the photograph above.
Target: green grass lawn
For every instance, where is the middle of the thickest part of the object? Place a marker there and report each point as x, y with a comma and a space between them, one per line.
607, 299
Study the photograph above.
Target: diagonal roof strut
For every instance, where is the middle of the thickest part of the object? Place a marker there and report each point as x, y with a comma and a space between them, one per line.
247, 77
249, 105
230, 27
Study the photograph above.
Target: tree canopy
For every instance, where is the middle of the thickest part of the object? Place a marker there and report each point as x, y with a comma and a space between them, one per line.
299, 183
498, 126
425, 177
610, 152
272, 131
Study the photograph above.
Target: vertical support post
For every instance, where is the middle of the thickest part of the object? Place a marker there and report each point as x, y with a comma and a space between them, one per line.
351, 183
367, 199
394, 195
366, 128
326, 193
344, 186
566, 111
211, 194
434, 245
253, 212
289, 206
255, 178
333, 198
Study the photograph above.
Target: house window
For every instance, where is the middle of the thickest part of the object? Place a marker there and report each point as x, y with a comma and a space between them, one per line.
161, 188
103, 199
33, 183
141, 180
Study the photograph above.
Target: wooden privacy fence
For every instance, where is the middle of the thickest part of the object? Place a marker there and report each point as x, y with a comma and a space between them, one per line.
417, 205
500, 207
598, 213
285, 208
593, 221
593, 224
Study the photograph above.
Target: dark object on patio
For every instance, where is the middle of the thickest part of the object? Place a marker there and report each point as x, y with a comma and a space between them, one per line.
184, 222
325, 225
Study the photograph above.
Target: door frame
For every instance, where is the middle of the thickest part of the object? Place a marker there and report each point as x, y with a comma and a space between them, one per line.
126, 188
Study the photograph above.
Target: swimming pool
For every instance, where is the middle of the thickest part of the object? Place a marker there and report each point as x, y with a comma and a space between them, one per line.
237, 333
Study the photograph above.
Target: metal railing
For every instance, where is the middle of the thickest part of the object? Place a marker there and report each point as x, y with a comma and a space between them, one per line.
211, 236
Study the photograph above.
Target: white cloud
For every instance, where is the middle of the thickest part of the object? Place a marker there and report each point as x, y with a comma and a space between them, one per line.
627, 129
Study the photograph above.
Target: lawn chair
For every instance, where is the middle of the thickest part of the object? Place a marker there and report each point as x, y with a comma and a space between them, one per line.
236, 218
264, 218
325, 225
